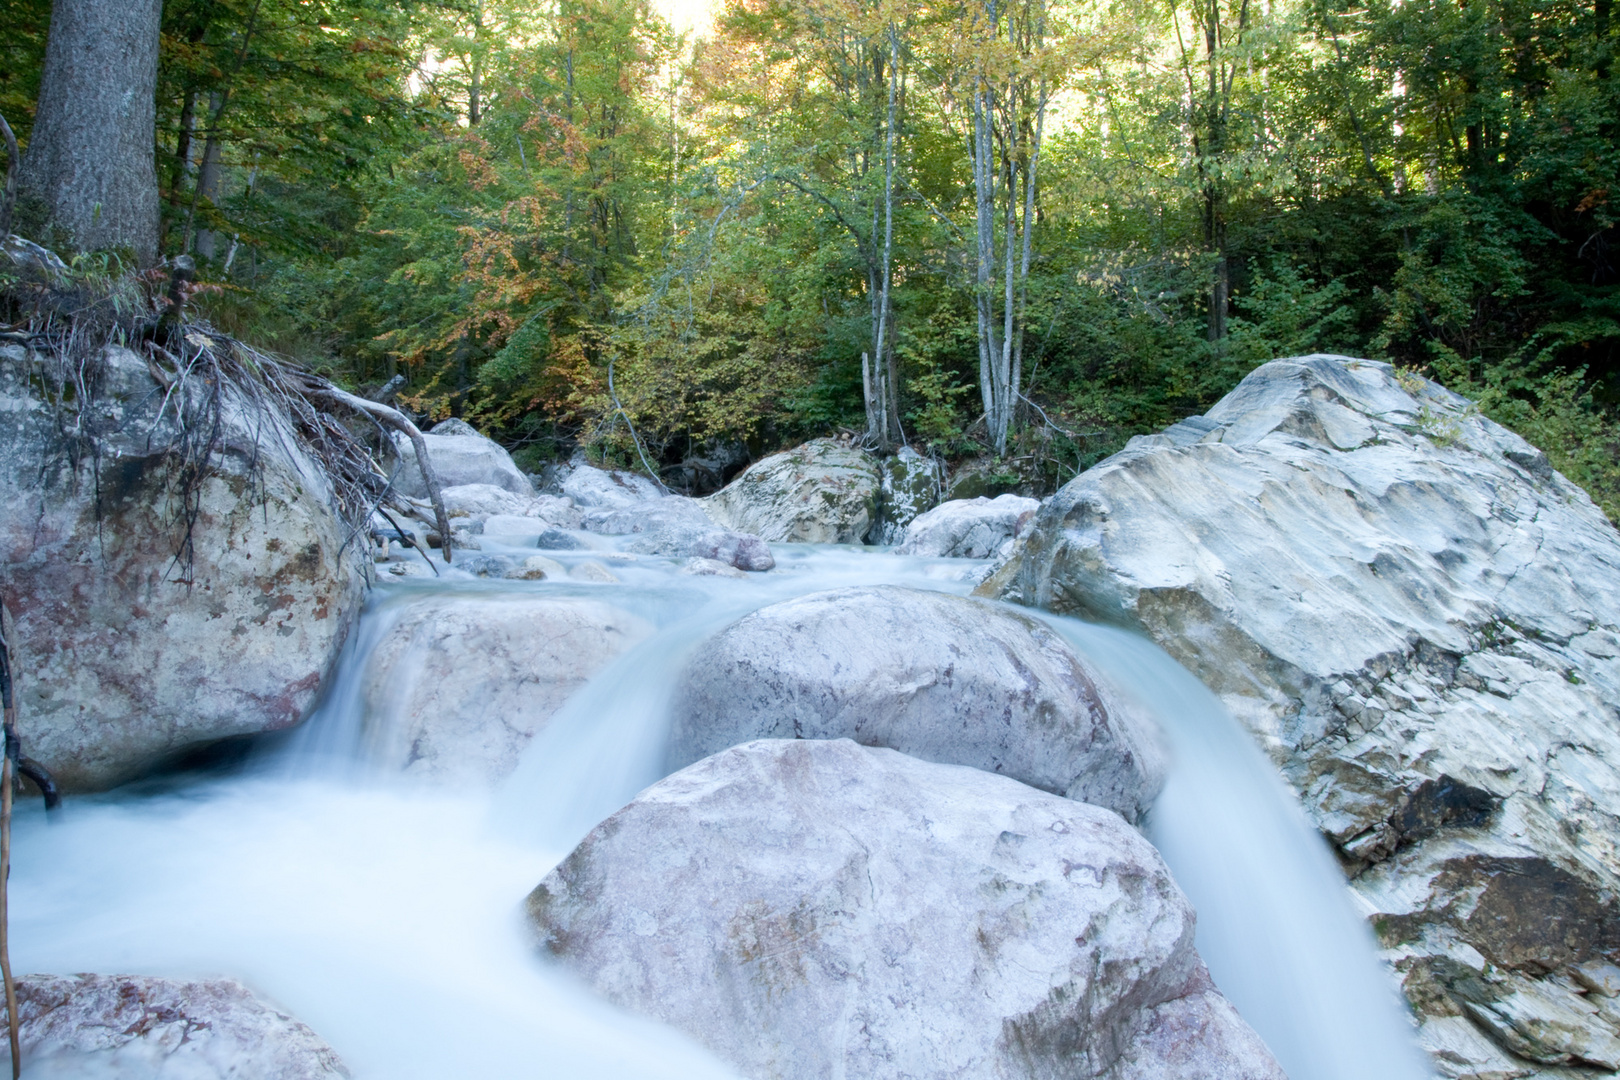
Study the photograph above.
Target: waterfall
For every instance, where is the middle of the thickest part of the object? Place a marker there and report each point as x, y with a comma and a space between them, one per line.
386, 915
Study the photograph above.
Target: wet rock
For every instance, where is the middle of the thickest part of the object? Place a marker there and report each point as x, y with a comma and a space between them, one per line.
970, 528
460, 457
486, 565
710, 568
559, 540
823, 492
593, 572
537, 568
592, 488
678, 526
813, 909
456, 688
936, 676
1415, 616
482, 501
135, 1026
911, 486
133, 644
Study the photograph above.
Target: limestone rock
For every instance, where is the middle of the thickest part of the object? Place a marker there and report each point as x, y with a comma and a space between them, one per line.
593, 488
482, 501
678, 526
821, 909
132, 646
824, 492
167, 1029
457, 687
936, 676
970, 528
911, 486
1414, 614
593, 572
460, 457
710, 568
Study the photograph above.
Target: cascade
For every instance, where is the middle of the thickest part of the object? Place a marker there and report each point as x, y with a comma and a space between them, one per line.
386, 915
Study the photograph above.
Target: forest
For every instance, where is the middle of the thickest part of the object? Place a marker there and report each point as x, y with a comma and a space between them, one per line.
1021, 231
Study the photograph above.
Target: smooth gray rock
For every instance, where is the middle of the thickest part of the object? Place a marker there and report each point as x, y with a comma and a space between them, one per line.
677, 526
483, 501
823, 492
76, 1026
456, 688
970, 528
1419, 619
939, 677
128, 651
459, 459
821, 909
592, 488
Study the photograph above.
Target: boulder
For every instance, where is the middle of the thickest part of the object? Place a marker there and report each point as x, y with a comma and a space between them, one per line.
824, 492
134, 1026
1420, 620
456, 688
460, 457
677, 526
133, 644
821, 909
593, 488
911, 485
940, 677
481, 501
970, 528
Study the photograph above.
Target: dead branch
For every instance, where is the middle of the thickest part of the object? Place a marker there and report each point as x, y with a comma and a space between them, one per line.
395, 419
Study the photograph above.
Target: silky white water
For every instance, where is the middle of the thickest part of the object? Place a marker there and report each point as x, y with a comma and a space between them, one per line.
386, 916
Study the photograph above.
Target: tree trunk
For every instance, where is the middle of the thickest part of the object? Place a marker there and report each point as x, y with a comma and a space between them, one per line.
90, 171
208, 179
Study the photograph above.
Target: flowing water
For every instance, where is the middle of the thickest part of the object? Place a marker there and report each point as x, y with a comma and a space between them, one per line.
386, 915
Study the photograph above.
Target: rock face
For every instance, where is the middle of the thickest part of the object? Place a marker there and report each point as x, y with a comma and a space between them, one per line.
594, 488
936, 676
678, 526
821, 909
457, 687
911, 485
460, 456
129, 1025
970, 528
1420, 620
132, 647
824, 492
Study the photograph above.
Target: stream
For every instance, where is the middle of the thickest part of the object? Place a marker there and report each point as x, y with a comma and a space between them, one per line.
386, 915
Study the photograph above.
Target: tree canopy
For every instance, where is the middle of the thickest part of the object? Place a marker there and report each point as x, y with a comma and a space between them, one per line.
1022, 228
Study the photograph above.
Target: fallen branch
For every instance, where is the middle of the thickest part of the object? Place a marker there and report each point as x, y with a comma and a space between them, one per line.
8, 699
395, 419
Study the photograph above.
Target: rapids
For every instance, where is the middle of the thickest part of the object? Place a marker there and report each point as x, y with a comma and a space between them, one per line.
386, 916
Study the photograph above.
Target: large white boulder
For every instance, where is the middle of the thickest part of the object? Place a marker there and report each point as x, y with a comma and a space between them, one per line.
821, 909
1420, 620
940, 677
460, 456
824, 492
457, 687
139, 637
978, 528
165, 1029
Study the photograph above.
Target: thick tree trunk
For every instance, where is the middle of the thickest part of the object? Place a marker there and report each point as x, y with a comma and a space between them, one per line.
89, 170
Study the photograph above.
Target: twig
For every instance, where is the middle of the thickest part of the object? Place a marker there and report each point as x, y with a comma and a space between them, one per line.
614, 394
410, 538
10, 728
